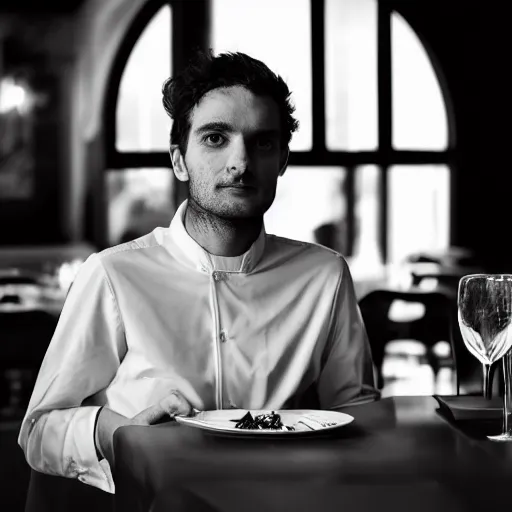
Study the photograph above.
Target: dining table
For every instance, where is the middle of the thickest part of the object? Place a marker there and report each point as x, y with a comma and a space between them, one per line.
400, 453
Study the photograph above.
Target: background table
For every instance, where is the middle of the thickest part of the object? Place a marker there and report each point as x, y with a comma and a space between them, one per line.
399, 454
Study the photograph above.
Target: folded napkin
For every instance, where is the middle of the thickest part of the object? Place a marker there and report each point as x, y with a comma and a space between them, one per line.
467, 407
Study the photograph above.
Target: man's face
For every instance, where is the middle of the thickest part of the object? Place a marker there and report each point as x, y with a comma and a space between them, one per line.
234, 153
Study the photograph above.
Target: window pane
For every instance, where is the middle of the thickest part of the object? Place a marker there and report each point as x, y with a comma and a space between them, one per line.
310, 206
419, 113
141, 121
367, 257
279, 34
351, 74
138, 201
419, 212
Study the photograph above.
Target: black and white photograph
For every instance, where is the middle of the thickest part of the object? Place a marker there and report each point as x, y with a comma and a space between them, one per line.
255, 256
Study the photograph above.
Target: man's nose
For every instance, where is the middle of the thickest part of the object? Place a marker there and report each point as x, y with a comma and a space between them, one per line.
238, 162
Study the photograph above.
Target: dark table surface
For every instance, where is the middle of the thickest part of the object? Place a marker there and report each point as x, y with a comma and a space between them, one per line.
399, 454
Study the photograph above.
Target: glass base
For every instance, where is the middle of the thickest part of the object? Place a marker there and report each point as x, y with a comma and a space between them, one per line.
501, 438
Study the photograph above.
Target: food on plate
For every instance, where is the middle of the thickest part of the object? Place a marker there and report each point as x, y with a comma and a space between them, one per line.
267, 421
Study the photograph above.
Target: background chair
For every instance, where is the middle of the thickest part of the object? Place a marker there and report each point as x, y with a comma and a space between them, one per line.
435, 324
449, 257
469, 378
446, 266
442, 278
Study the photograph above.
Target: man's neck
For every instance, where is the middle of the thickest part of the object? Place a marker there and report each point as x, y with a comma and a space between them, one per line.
219, 236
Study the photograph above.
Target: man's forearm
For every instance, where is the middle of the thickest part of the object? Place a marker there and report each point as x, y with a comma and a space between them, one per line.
108, 422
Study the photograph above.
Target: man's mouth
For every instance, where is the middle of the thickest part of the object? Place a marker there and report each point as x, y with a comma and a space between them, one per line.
241, 186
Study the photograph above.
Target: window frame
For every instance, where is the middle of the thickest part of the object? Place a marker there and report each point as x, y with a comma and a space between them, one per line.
184, 43
197, 35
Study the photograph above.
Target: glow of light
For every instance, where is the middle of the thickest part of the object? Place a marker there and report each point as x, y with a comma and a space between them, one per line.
12, 96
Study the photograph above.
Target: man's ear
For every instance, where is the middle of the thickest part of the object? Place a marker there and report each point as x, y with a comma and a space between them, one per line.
285, 154
178, 163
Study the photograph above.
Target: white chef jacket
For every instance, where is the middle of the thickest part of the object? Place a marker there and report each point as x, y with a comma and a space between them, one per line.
256, 331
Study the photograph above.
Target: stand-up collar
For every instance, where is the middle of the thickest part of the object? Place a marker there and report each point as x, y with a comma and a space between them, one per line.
189, 252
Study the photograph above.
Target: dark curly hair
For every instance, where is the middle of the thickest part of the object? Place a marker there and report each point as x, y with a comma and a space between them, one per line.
181, 93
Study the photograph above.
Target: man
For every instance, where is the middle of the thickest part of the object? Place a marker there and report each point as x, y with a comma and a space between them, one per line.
211, 312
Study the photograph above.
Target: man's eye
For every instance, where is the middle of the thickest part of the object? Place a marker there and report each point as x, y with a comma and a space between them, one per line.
214, 139
265, 144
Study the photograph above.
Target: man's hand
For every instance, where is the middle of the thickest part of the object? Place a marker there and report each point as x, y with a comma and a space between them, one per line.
174, 404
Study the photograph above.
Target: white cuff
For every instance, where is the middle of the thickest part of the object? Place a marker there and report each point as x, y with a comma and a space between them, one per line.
82, 449
61, 443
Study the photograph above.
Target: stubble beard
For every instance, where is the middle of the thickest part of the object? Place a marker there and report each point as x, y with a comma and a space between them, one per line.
208, 205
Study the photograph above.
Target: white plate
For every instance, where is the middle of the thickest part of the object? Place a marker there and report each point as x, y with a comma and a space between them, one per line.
221, 421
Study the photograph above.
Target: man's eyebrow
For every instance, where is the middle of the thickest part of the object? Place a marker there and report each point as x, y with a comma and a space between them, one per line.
215, 126
220, 126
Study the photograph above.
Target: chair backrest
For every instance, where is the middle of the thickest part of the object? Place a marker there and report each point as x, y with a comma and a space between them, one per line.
445, 275
433, 326
459, 256
451, 281
439, 322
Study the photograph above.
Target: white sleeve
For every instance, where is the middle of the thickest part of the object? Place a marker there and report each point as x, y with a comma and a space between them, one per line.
57, 433
347, 376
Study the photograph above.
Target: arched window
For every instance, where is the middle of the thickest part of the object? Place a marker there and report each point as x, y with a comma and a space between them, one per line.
369, 169
141, 191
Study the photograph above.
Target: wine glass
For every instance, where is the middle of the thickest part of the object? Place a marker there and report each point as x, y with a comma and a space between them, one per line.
485, 312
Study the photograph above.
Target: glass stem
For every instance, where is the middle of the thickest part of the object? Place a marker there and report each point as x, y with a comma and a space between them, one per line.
486, 370
507, 395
